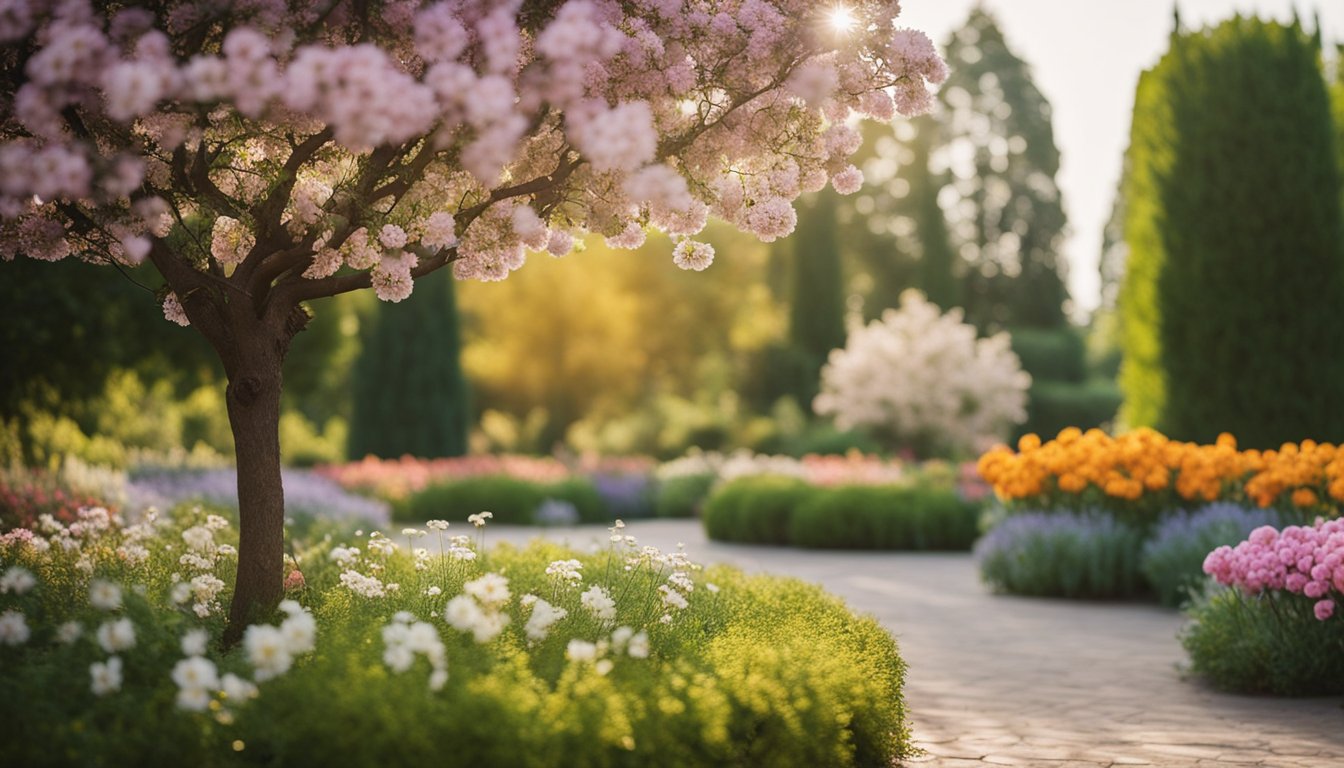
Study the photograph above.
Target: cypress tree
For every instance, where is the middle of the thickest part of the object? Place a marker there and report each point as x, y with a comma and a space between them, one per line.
410, 396
1231, 299
817, 297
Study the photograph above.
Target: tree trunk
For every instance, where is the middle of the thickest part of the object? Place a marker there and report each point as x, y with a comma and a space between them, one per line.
253, 398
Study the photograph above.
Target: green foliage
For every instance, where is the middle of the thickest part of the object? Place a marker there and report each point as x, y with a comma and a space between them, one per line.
682, 496
1053, 354
759, 671
1053, 406
1061, 555
884, 517
756, 509
816, 295
510, 499
410, 396
789, 511
1234, 228
1008, 217
1271, 643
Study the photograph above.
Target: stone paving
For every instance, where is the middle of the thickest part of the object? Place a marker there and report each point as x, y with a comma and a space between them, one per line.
1009, 681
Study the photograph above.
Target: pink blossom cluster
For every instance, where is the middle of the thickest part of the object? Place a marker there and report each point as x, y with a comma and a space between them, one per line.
481, 130
853, 468
398, 478
1304, 560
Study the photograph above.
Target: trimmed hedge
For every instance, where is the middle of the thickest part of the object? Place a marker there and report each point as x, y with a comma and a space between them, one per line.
1054, 406
788, 511
511, 500
682, 496
1054, 354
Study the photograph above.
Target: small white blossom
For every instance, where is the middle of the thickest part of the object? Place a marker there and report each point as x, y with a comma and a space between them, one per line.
69, 632
105, 677
433, 591
104, 595
599, 603
437, 525
17, 580
118, 635
491, 589
196, 677
544, 616
581, 651
13, 628
267, 651
639, 645
479, 518
194, 642
200, 539
236, 688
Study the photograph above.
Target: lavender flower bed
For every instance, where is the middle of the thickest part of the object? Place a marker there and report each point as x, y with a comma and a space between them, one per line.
305, 493
1090, 555
1173, 558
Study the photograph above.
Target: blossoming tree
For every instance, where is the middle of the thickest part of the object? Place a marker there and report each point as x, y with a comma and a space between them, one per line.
266, 153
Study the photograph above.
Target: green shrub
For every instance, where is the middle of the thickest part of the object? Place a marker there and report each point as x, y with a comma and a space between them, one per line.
511, 500
754, 510
682, 496
1271, 643
580, 492
758, 671
1061, 555
884, 517
1053, 354
1053, 406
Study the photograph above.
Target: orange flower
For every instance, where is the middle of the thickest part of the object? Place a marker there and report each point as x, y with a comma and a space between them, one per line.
1305, 497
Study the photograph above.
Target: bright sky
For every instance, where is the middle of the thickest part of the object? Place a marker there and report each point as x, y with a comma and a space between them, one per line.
1086, 56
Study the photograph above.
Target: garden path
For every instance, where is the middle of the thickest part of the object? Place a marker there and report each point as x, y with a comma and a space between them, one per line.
999, 680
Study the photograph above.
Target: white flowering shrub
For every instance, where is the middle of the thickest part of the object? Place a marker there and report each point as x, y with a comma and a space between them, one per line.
921, 378
425, 645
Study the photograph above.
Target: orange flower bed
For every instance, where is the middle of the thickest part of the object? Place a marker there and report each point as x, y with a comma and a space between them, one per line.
1146, 466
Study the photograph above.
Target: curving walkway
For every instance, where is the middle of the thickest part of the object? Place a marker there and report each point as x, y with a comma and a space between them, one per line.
1011, 681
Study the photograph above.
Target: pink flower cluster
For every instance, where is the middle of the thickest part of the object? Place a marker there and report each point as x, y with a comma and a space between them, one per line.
490, 128
1304, 560
398, 478
853, 468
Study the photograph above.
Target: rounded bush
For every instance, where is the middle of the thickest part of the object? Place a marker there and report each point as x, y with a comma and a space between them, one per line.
1172, 559
1270, 643
1061, 555
682, 496
755, 509
884, 517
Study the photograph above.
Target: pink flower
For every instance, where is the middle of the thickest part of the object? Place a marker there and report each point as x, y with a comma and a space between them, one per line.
1325, 609
294, 581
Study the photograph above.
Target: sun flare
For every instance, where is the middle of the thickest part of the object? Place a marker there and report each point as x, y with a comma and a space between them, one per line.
841, 18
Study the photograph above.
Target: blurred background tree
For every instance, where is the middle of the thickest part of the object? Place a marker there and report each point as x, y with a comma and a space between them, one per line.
409, 394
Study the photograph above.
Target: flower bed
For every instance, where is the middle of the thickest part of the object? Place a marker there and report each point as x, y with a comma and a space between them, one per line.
108, 655
1141, 475
1275, 627
1159, 489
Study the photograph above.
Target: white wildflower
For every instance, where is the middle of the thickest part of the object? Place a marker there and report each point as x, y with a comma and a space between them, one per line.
638, 647
437, 525
544, 616
236, 688
196, 677
491, 589
13, 628
599, 603
69, 632
194, 642
581, 651
104, 595
118, 635
200, 539
267, 651
479, 518
17, 580
105, 676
